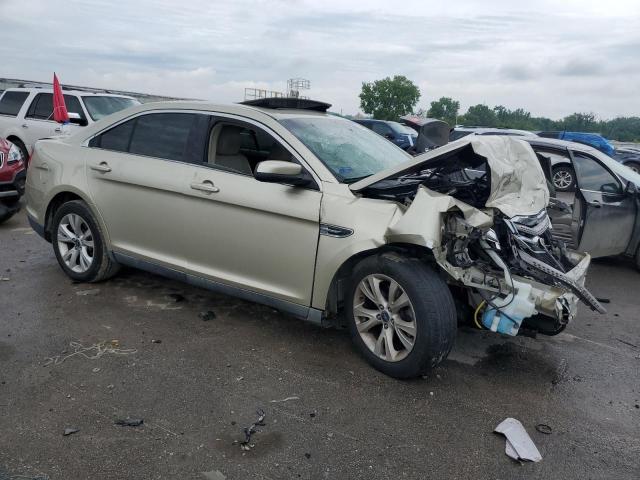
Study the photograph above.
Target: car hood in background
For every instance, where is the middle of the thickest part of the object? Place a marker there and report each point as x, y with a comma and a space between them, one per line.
518, 184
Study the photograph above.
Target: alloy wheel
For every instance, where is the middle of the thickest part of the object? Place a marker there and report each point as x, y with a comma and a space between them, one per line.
384, 317
562, 179
75, 243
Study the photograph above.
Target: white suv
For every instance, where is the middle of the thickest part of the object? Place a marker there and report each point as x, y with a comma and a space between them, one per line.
26, 114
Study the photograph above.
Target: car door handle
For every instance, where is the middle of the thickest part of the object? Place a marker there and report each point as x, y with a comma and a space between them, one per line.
101, 167
24, 125
207, 186
58, 129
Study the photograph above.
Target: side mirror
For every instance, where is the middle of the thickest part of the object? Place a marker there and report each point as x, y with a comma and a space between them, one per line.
278, 171
76, 119
631, 188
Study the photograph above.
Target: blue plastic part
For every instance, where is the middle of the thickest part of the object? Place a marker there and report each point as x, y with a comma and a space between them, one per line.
507, 325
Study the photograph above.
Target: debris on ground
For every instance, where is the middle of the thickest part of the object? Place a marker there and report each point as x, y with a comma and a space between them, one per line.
4, 279
176, 297
69, 431
250, 430
288, 399
156, 341
96, 370
208, 315
129, 422
308, 455
91, 291
213, 475
519, 445
97, 349
544, 428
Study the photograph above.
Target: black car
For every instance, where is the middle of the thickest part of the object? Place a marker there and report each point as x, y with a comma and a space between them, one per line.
403, 136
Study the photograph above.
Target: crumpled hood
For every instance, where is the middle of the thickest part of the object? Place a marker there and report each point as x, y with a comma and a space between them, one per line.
518, 184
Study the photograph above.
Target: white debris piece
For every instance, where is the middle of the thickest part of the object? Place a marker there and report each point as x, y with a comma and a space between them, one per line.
519, 445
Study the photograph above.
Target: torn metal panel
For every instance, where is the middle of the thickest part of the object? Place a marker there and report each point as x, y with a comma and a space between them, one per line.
519, 445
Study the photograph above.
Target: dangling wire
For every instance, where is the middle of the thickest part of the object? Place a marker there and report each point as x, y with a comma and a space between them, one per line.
475, 314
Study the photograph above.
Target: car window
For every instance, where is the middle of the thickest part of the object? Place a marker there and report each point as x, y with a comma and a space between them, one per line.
100, 106
402, 129
162, 135
42, 106
381, 128
116, 138
239, 147
11, 103
593, 176
349, 151
172, 136
457, 134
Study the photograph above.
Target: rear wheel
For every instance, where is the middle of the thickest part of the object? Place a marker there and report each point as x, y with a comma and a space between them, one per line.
78, 243
564, 178
401, 314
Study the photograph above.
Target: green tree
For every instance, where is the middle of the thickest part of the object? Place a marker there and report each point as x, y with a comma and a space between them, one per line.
446, 109
480, 115
389, 98
580, 122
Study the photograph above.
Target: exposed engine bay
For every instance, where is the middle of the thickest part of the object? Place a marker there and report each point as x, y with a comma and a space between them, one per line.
481, 208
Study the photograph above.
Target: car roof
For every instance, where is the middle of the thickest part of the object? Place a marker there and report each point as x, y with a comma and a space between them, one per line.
473, 129
84, 93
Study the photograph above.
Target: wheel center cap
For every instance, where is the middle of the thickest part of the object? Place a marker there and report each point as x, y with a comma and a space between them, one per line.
385, 316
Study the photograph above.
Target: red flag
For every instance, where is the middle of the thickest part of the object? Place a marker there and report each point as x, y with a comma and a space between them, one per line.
60, 113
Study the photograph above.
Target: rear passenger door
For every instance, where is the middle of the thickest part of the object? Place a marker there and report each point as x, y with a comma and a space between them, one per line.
136, 172
38, 122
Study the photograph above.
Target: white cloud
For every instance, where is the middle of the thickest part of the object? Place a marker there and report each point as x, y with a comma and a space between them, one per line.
548, 58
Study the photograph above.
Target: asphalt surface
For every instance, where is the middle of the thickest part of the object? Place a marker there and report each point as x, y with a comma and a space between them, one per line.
328, 414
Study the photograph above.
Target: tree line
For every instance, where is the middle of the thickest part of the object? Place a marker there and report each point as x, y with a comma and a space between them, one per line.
391, 98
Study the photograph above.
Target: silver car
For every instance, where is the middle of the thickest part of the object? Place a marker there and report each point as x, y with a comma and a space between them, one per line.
278, 202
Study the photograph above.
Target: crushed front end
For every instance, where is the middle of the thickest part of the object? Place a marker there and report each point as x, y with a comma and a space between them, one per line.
518, 273
479, 205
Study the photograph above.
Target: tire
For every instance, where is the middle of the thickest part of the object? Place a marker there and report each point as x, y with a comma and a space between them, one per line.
430, 309
633, 166
8, 209
564, 178
101, 266
25, 153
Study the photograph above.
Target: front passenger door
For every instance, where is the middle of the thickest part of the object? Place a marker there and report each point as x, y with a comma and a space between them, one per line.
608, 212
255, 236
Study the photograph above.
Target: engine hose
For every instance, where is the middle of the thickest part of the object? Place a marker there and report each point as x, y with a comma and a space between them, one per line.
475, 314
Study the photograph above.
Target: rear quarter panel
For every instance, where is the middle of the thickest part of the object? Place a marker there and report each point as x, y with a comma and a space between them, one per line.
56, 167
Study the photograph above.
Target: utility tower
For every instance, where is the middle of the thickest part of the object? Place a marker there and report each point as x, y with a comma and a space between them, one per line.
294, 85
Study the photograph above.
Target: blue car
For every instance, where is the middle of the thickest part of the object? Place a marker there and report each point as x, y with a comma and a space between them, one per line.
627, 157
403, 136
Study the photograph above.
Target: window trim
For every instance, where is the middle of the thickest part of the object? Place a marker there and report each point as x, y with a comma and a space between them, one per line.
209, 113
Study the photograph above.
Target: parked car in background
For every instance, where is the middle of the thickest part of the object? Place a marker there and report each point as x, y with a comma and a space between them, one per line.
278, 202
462, 131
26, 114
604, 219
12, 179
629, 157
401, 135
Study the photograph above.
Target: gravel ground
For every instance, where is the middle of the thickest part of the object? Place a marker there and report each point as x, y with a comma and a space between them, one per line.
197, 382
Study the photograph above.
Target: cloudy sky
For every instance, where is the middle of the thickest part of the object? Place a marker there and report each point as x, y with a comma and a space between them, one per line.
550, 59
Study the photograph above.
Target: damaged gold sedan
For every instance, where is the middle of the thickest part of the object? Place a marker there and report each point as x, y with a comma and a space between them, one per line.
278, 202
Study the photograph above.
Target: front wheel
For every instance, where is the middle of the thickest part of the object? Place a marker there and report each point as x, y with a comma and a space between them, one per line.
401, 315
79, 245
564, 178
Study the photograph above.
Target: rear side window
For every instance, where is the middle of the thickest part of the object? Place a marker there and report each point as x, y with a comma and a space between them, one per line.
42, 106
381, 129
172, 136
11, 103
